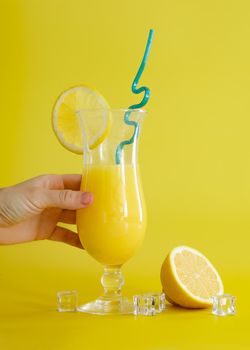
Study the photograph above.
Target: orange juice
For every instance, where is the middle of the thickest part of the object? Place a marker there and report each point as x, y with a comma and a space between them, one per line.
113, 227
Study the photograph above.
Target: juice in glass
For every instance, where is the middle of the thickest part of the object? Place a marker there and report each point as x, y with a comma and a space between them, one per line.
113, 227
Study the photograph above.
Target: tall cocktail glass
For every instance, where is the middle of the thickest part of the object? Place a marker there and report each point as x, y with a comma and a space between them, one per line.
113, 227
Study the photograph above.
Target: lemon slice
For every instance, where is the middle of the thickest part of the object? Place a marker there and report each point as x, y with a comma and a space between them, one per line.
189, 279
66, 119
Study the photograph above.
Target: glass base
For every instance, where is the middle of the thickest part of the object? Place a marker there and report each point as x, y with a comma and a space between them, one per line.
111, 302
122, 306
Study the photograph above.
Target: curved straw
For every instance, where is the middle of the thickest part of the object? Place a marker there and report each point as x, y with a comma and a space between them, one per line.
145, 99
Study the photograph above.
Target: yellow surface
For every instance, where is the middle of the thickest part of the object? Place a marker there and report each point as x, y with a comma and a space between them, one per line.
195, 159
113, 227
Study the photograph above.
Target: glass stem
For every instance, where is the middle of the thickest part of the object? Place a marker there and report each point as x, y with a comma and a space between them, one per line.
112, 281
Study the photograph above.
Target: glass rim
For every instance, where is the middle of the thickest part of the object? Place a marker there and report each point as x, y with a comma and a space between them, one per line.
124, 110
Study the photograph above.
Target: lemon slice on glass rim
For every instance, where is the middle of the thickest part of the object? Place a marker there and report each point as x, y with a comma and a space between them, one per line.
66, 118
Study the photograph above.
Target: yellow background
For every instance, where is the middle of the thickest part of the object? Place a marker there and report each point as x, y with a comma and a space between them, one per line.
194, 156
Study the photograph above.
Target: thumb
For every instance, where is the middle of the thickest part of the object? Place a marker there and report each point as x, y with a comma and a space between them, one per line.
67, 199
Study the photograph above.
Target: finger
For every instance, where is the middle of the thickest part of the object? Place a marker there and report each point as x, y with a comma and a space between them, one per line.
64, 235
65, 199
72, 181
56, 182
68, 216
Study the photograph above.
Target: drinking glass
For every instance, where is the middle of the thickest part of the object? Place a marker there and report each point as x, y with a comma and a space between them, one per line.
113, 227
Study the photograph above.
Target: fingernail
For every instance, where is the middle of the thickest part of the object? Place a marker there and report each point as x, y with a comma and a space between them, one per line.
86, 198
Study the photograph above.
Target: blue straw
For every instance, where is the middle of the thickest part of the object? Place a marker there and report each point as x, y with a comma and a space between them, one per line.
144, 101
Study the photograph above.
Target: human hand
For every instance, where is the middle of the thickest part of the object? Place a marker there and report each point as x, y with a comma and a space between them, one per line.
32, 209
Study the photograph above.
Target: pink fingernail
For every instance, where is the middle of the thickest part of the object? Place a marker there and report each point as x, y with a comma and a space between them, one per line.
86, 198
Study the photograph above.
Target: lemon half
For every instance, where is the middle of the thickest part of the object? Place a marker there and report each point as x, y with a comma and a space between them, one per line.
66, 114
189, 279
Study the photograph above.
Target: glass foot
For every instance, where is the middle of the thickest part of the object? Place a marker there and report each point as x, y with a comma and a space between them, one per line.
122, 306
112, 301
